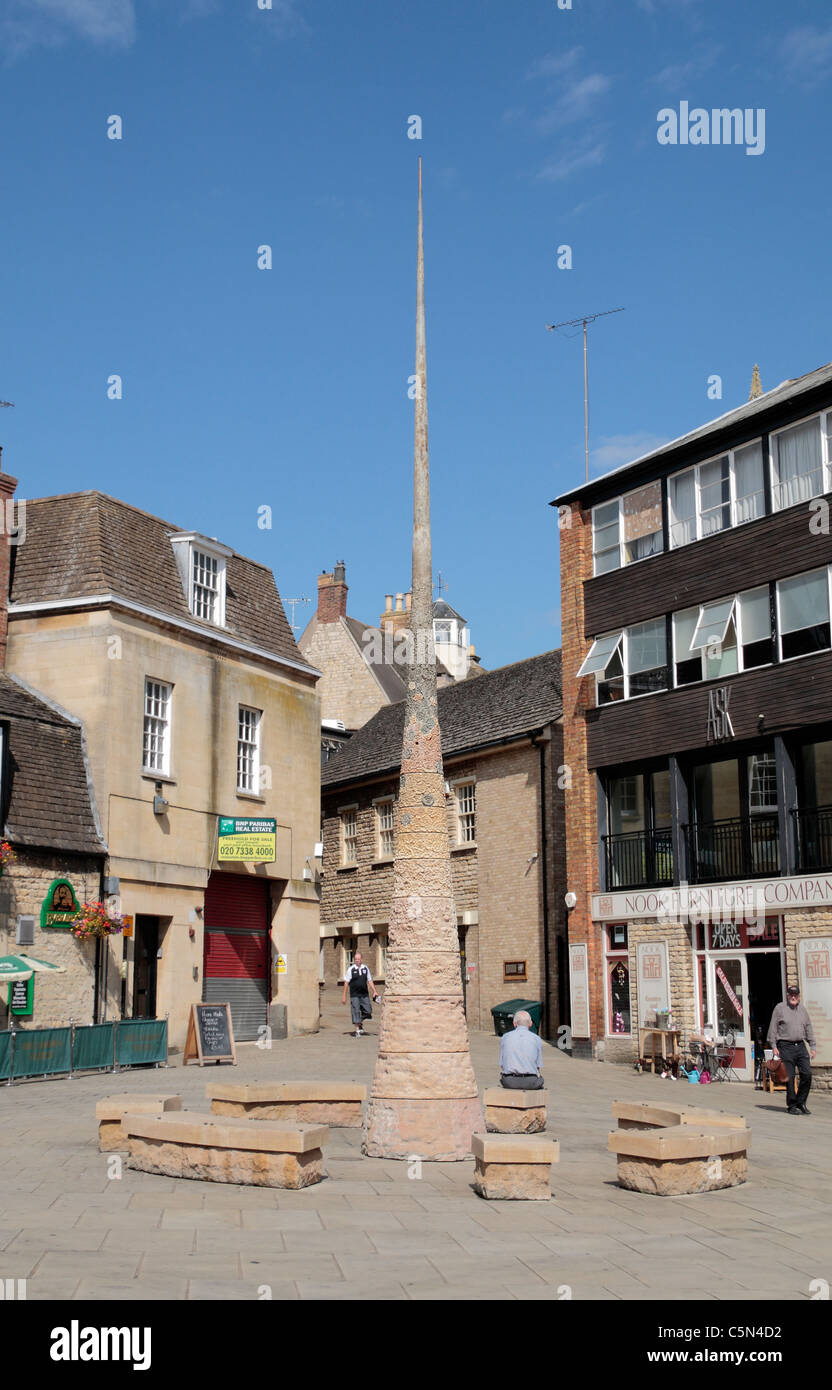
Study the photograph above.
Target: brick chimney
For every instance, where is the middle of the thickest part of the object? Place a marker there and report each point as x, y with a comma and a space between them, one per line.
7, 489
332, 595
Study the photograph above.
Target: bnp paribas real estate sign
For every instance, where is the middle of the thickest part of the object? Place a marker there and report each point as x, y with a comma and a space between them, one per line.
247, 840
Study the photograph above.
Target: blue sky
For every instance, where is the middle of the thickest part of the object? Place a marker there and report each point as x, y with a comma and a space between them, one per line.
288, 127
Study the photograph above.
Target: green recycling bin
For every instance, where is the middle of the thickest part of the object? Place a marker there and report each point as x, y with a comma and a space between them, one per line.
503, 1014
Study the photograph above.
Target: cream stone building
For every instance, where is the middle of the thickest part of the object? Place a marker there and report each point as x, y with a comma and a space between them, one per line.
503, 753
175, 653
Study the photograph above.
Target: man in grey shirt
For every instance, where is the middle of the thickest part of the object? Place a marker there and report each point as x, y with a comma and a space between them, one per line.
521, 1053
789, 1033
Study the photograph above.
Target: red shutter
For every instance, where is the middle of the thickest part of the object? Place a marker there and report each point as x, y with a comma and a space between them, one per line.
236, 958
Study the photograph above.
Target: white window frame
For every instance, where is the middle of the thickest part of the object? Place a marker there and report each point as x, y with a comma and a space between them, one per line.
803, 574
382, 805
623, 646
156, 689
623, 562
735, 617
463, 823
346, 840
252, 744
695, 468
203, 553
824, 417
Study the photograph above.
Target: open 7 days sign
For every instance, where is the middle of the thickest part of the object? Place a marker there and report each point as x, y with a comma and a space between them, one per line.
247, 840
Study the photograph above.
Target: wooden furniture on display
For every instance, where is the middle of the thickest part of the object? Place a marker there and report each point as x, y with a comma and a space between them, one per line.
671, 1034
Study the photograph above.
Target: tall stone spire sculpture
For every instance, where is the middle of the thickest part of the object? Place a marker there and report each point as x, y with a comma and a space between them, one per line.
424, 1100
756, 384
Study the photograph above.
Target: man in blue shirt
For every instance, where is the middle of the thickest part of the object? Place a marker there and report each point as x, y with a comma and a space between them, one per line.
521, 1053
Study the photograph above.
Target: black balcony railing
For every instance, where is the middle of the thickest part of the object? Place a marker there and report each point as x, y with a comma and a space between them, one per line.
639, 859
725, 849
813, 837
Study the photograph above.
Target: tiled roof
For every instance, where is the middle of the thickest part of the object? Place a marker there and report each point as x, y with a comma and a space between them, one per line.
85, 543
50, 802
501, 704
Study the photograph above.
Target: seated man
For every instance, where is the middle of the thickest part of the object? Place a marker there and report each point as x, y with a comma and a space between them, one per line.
521, 1053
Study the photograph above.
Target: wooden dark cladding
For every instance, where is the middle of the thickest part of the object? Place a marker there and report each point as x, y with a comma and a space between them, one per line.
772, 548
793, 695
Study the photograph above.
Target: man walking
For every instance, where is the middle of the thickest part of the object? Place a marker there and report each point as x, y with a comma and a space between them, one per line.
521, 1053
789, 1034
360, 983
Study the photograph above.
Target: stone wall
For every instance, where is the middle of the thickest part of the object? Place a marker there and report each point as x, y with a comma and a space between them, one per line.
348, 689
24, 885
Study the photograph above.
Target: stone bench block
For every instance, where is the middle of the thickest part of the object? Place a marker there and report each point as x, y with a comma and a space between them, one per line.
682, 1159
643, 1115
514, 1166
337, 1104
111, 1109
255, 1153
514, 1112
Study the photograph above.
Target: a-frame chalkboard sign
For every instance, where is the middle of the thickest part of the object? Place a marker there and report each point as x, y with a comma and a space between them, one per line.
210, 1035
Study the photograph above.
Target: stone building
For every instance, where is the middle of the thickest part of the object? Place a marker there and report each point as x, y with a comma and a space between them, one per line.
199, 712
49, 816
502, 746
697, 687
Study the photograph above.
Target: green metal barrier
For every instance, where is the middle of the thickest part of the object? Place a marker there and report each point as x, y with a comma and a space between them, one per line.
41, 1051
92, 1047
140, 1041
127, 1042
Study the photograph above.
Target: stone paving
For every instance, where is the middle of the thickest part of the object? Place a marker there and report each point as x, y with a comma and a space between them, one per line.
376, 1230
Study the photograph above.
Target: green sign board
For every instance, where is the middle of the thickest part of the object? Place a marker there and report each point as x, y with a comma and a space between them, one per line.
247, 840
22, 996
60, 905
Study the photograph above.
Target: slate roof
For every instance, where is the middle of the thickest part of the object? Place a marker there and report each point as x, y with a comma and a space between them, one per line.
48, 792
83, 544
786, 391
387, 676
502, 704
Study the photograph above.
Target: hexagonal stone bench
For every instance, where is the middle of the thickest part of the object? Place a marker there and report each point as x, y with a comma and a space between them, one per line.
514, 1112
514, 1167
110, 1110
255, 1153
681, 1159
337, 1104
643, 1115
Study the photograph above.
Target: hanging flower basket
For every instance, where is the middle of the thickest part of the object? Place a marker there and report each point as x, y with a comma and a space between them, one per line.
93, 920
7, 854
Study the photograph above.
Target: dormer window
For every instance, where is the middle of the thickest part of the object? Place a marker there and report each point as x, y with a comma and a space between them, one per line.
201, 563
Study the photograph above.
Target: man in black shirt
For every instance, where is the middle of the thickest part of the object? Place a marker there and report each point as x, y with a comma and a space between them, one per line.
360, 983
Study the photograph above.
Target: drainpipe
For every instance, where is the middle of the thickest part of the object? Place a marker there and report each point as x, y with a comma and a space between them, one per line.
542, 743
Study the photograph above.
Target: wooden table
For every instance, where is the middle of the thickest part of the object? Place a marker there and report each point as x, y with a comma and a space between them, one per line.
673, 1034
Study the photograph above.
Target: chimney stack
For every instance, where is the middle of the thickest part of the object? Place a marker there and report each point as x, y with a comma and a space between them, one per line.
332, 594
398, 618
7, 490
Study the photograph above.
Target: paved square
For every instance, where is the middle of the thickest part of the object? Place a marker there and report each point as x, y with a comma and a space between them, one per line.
380, 1230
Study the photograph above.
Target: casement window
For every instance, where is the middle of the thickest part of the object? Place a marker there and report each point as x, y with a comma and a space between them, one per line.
385, 818
722, 637
248, 749
617, 970
803, 609
205, 586
627, 529
800, 459
156, 729
466, 812
442, 630
715, 495
629, 663
762, 783
349, 835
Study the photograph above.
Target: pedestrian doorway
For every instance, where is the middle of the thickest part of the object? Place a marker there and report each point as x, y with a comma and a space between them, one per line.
145, 964
740, 979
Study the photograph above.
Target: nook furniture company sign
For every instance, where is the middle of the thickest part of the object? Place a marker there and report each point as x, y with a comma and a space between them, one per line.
653, 981
814, 957
579, 989
695, 903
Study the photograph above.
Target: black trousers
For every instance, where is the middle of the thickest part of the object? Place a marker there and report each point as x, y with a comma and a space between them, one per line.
796, 1058
521, 1083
